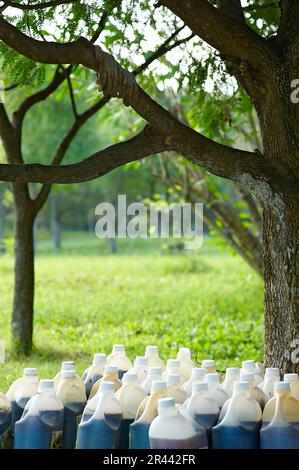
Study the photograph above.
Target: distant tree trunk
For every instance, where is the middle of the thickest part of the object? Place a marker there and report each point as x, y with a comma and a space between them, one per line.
2, 248
55, 226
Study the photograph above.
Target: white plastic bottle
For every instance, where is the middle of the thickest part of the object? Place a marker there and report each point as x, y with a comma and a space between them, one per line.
175, 389
267, 385
154, 373
197, 375
118, 358
209, 366
250, 367
94, 372
152, 354
173, 366
140, 367
186, 363
65, 365
215, 389
290, 406
171, 430
293, 380
255, 391
232, 375
202, 407
111, 374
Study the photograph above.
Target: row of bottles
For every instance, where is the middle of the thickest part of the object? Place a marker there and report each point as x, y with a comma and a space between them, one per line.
147, 404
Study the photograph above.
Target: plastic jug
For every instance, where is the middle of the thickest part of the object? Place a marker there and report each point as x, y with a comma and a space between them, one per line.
232, 375
130, 396
102, 430
111, 374
173, 366
197, 375
293, 380
73, 398
41, 425
5, 422
186, 363
255, 391
250, 367
175, 389
289, 404
267, 385
66, 365
146, 413
209, 366
118, 358
20, 392
140, 367
152, 354
94, 372
282, 432
240, 426
171, 430
202, 407
215, 390
154, 373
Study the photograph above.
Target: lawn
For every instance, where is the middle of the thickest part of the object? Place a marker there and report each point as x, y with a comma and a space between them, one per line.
87, 299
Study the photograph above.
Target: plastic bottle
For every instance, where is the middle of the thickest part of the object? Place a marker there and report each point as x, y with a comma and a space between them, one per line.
175, 389
215, 390
197, 375
152, 354
5, 422
293, 380
173, 366
74, 401
65, 365
102, 430
267, 385
118, 358
186, 363
250, 367
146, 413
130, 396
282, 432
202, 407
94, 372
154, 373
20, 391
209, 366
232, 375
239, 428
140, 367
111, 374
255, 391
171, 430
41, 425
290, 406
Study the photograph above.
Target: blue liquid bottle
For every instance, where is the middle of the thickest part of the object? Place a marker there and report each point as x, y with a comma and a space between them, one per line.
74, 401
118, 358
95, 372
5, 422
102, 429
130, 396
41, 425
239, 429
282, 432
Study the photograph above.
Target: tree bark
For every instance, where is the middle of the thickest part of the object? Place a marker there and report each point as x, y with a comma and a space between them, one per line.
2, 249
55, 226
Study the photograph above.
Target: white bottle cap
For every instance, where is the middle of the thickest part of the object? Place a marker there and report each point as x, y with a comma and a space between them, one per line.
290, 378
98, 358
107, 387
151, 350
130, 377
141, 361
118, 348
45, 385
173, 363
272, 372
184, 353
68, 373
248, 364
30, 371
154, 371
67, 365
198, 372
110, 369
208, 363
158, 385
232, 371
282, 386
198, 386
173, 379
167, 402
212, 378
247, 377
241, 385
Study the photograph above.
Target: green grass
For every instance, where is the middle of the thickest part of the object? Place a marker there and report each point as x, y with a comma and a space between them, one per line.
86, 300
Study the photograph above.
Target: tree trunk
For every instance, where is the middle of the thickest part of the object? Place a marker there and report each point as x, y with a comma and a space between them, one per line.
2, 248
55, 226
22, 317
281, 272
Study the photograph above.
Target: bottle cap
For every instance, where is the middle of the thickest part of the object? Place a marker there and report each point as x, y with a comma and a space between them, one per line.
247, 377
272, 372
248, 364
167, 402
141, 361
184, 353
212, 378
98, 358
107, 387
290, 378
30, 371
198, 372
129, 377
110, 369
118, 348
68, 365
282, 386
208, 363
154, 371
173, 363
68, 373
158, 385
173, 379
232, 371
197, 386
45, 385
241, 385
151, 350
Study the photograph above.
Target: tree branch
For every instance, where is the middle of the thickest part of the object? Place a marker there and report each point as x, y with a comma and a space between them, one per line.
72, 96
36, 6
